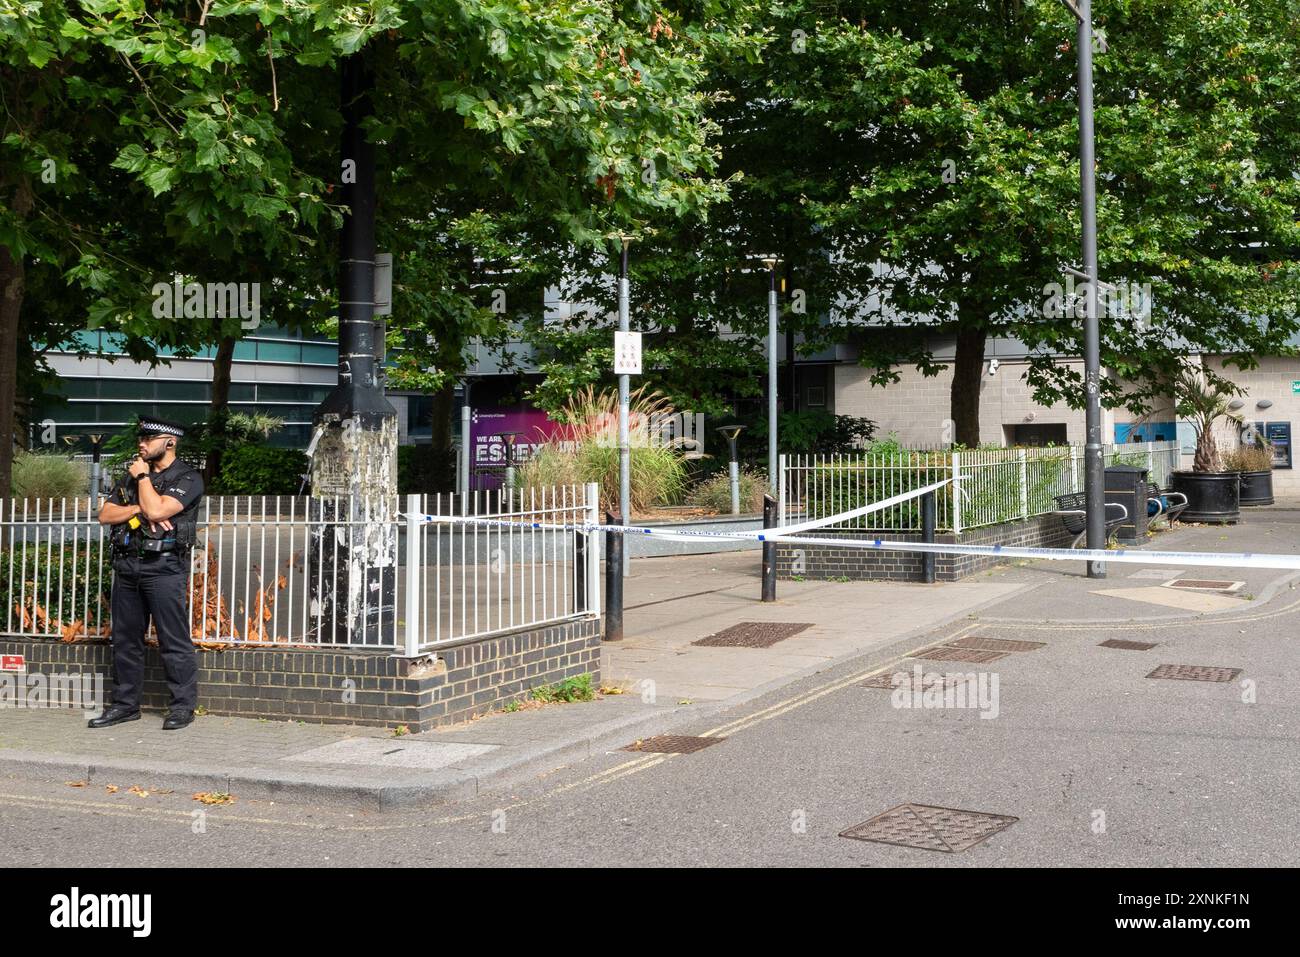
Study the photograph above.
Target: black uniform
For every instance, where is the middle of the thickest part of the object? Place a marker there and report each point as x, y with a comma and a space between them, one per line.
151, 572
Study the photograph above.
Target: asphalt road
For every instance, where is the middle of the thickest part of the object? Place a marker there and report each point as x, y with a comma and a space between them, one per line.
1099, 764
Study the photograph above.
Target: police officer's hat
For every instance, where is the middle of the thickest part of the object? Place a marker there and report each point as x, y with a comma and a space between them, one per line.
152, 426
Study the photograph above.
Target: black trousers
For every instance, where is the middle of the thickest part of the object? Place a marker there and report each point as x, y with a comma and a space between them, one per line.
154, 587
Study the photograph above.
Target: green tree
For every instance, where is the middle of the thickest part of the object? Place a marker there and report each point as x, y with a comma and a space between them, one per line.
1197, 135
922, 156
210, 142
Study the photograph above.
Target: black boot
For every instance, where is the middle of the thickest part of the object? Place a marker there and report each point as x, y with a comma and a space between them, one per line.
177, 719
114, 714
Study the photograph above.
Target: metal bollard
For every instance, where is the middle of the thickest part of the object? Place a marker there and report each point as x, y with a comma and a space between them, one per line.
580, 571
613, 579
769, 550
927, 535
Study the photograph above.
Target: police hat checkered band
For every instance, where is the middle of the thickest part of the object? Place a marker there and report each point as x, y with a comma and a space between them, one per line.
159, 427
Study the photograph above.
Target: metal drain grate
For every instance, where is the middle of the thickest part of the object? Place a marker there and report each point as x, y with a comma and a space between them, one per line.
1125, 645
1206, 584
908, 681
942, 653
672, 744
1195, 672
930, 828
754, 634
995, 644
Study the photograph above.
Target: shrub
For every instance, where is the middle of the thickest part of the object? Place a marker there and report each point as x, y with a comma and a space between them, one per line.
56, 589
1248, 458
569, 690
586, 450
714, 493
809, 432
260, 470
240, 429
41, 475
424, 469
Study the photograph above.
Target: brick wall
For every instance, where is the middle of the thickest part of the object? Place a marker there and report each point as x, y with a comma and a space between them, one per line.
861, 564
313, 685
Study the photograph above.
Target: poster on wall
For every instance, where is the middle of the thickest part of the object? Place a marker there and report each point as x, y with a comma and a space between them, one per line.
1144, 432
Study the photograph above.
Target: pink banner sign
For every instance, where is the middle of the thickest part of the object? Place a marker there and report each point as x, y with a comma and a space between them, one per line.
530, 429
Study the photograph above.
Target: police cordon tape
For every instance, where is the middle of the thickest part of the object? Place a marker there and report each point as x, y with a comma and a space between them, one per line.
763, 536
786, 535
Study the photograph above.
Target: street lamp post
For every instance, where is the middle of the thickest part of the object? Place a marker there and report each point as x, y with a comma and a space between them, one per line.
1093, 464
624, 401
508, 439
770, 262
730, 432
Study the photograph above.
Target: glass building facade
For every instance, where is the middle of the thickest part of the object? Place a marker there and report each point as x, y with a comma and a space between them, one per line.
275, 372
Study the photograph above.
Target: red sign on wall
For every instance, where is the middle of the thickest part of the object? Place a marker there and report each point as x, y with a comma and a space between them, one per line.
13, 663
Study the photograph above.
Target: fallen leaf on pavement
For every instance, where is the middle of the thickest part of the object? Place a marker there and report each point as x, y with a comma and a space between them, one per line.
214, 797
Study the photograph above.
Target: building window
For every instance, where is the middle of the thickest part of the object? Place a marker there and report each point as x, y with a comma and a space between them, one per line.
1036, 435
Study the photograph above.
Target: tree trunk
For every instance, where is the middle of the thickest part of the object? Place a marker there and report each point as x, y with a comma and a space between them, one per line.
442, 458
219, 412
13, 278
968, 367
1207, 451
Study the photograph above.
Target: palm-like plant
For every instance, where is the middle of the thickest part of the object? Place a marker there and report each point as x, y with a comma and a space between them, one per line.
1204, 398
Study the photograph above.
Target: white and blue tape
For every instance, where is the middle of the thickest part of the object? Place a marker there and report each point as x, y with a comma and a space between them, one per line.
793, 535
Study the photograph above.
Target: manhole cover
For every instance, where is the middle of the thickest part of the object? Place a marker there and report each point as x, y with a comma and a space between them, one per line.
754, 634
907, 680
942, 653
672, 744
1207, 584
1195, 672
1124, 645
930, 828
996, 644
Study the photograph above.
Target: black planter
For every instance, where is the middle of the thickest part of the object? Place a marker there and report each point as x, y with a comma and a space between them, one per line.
1257, 488
1213, 498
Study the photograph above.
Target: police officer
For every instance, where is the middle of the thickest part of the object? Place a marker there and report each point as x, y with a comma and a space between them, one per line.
154, 512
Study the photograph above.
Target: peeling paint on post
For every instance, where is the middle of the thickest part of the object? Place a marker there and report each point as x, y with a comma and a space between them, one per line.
354, 531
353, 542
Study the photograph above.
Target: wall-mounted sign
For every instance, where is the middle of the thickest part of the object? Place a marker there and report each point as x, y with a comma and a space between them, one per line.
1295, 386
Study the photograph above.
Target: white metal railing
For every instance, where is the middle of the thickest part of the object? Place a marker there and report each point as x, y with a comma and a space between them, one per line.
986, 486
474, 580
343, 572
